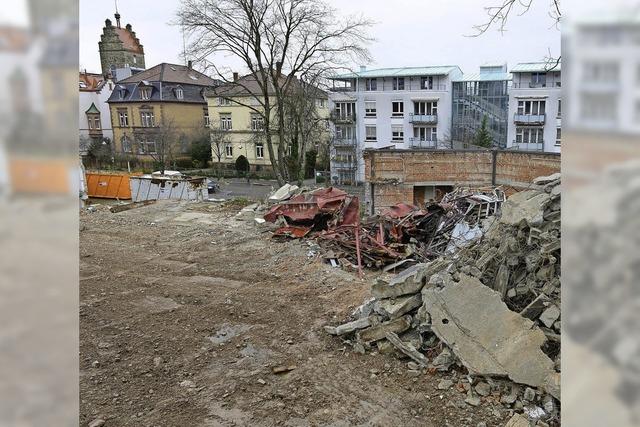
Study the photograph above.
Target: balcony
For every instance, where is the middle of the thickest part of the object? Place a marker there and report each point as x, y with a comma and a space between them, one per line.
345, 142
423, 143
343, 164
528, 146
423, 118
339, 117
529, 119
342, 89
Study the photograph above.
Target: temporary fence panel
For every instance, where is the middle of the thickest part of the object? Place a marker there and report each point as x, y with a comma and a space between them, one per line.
162, 188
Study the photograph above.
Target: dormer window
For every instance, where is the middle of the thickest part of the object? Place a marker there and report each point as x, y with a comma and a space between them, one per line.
122, 93
179, 93
145, 93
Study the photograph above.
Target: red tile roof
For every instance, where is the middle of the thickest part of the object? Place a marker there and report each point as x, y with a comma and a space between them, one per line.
90, 82
128, 40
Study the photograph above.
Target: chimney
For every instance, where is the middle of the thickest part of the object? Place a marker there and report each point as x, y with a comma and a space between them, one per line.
189, 64
107, 23
235, 76
129, 27
363, 68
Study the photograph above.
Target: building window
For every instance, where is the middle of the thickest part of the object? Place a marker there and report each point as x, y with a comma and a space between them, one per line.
147, 119
344, 132
121, 94
397, 108
425, 108
601, 72
207, 120
179, 93
398, 83
531, 107
538, 79
558, 136
371, 84
126, 144
145, 93
370, 133
146, 147
224, 101
397, 133
123, 118
559, 108
225, 121
257, 122
370, 108
345, 110
423, 133
426, 82
228, 150
321, 103
260, 151
94, 121
529, 135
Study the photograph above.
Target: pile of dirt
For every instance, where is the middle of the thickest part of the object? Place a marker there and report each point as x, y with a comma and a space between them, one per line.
486, 314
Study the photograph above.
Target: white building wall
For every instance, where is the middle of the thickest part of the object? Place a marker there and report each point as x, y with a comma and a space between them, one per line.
520, 90
384, 96
99, 98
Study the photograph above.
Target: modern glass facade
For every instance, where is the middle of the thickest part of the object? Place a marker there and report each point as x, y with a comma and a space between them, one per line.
474, 99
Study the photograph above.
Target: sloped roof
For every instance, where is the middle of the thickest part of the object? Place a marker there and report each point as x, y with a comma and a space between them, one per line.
248, 85
172, 73
160, 92
536, 67
90, 82
483, 77
401, 72
93, 109
129, 41
13, 39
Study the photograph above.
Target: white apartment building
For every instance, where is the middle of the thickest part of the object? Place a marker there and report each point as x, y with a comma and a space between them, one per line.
603, 59
399, 108
535, 107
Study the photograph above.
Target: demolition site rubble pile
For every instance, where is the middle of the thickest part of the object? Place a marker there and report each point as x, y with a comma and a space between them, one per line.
400, 235
487, 314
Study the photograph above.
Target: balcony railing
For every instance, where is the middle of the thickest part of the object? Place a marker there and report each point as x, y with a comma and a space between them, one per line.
528, 146
344, 164
339, 117
529, 119
423, 143
423, 118
344, 142
342, 89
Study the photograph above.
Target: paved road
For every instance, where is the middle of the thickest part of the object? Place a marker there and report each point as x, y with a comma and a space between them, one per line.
260, 189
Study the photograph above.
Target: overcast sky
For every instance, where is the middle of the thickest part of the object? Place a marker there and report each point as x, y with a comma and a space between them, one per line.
407, 32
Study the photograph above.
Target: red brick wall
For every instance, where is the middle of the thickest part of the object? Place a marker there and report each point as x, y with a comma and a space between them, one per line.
392, 174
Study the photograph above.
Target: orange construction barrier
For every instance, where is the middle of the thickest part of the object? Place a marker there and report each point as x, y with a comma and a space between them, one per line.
108, 186
41, 176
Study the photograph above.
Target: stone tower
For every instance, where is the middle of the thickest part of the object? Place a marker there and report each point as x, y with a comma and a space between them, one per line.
119, 47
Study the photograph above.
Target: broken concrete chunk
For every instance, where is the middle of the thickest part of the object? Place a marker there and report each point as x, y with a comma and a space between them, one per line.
378, 332
517, 421
407, 348
535, 307
443, 361
346, 328
552, 384
396, 307
549, 316
501, 284
487, 337
486, 258
445, 385
525, 206
543, 180
283, 193
410, 281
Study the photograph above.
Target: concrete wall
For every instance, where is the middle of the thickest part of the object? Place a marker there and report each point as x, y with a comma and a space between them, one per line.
391, 175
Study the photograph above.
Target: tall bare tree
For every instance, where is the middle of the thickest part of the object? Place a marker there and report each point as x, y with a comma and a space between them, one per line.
219, 141
160, 142
498, 16
304, 37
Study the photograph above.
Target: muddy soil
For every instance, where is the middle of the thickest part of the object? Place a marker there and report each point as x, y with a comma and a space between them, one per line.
185, 311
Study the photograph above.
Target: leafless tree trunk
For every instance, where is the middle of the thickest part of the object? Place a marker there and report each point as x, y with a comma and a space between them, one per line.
303, 36
160, 142
219, 141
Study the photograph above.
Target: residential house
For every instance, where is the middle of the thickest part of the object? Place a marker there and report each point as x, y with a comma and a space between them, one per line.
165, 98
236, 108
404, 108
94, 116
535, 107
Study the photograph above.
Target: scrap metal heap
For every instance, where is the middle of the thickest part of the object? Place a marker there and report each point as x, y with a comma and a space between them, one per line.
486, 314
402, 232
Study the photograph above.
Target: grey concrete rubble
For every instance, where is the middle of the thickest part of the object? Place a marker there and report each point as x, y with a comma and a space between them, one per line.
491, 307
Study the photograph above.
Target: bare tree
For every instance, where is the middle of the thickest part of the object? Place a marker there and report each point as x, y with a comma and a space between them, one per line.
499, 14
160, 142
219, 141
305, 37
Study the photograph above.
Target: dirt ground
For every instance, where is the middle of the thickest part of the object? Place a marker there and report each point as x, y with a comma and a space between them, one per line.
185, 310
